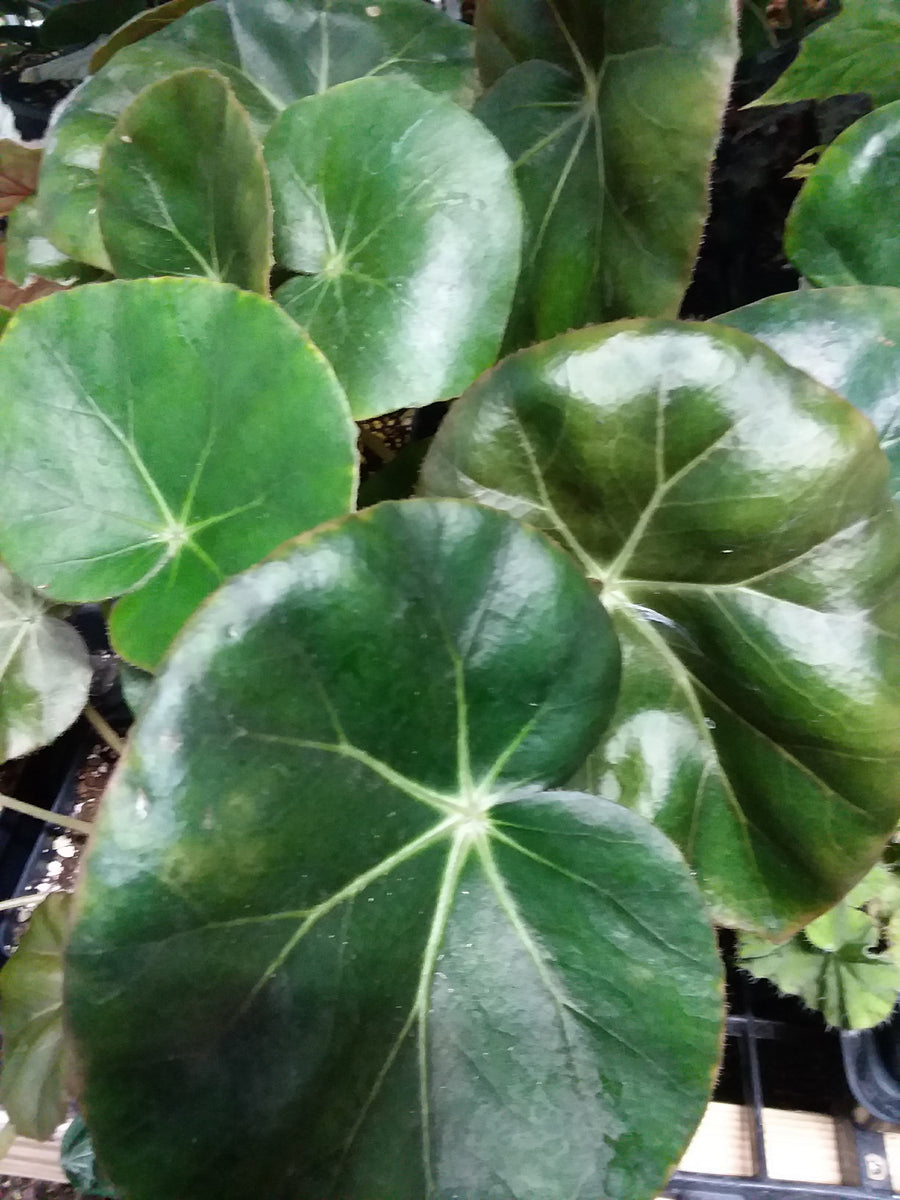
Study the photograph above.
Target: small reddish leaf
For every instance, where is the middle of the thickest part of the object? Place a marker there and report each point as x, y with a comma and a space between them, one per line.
19, 167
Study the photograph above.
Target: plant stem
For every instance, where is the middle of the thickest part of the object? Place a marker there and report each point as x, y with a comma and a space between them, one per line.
21, 901
44, 814
108, 734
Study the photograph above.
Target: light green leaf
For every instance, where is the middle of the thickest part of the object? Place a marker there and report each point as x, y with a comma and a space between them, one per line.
842, 228
735, 516
30, 255
379, 959
77, 1159
848, 339
845, 964
32, 1084
612, 135
856, 51
402, 213
220, 429
272, 52
45, 672
183, 186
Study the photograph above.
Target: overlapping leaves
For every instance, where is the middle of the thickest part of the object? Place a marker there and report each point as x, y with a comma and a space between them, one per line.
401, 212
849, 339
159, 465
736, 516
338, 941
611, 112
183, 188
272, 52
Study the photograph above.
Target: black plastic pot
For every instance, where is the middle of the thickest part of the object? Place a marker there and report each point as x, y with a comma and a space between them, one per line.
48, 780
872, 1064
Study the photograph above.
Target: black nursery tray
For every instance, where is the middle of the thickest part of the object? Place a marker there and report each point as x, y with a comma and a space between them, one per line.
781, 1056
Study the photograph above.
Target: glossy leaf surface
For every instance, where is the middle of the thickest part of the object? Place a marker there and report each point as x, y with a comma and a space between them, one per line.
856, 51
272, 52
214, 450
846, 964
380, 960
402, 213
735, 516
612, 134
183, 186
843, 228
45, 673
32, 1087
848, 339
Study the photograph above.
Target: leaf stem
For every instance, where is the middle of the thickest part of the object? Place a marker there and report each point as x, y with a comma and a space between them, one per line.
44, 814
106, 732
22, 901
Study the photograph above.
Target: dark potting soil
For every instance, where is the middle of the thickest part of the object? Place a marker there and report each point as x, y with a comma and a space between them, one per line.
34, 1189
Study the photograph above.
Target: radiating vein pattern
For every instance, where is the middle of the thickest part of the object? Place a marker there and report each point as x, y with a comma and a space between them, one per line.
348, 886
750, 574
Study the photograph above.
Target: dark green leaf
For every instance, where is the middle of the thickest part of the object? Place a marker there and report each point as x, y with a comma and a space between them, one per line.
272, 52
32, 1087
162, 435
842, 228
856, 51
612, 135
151, 20
45, 673
847, 963
183, 186
83, 21
736, 517
338, 942
77, 1159
29, 254
402, 214
848, 339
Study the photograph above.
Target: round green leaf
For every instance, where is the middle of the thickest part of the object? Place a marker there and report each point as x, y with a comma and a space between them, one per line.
183, 186
612, 138
162, 435
45, 672
842, 228
401, 212
736, 518
272, 52
856, 51
32, 1086
848, 339
379, 960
